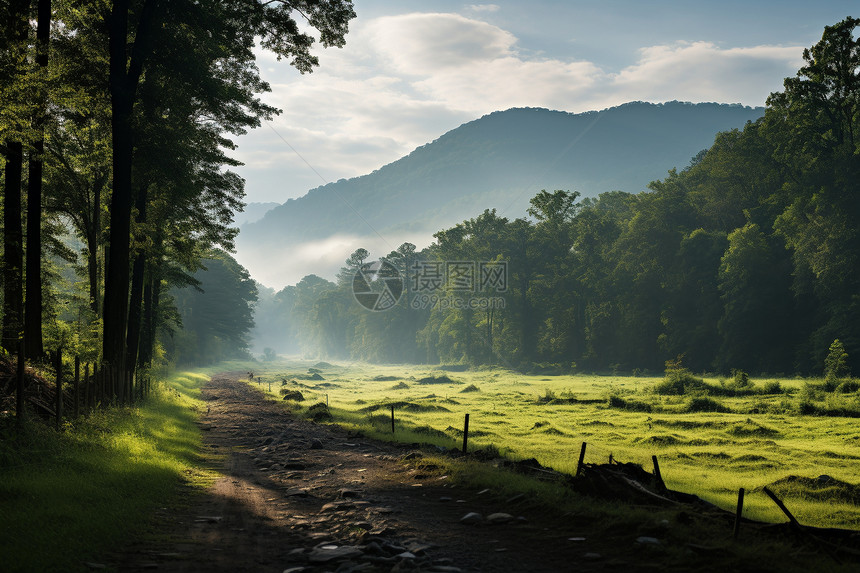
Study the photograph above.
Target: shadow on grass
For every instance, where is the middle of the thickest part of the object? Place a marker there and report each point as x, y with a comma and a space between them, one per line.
67, 497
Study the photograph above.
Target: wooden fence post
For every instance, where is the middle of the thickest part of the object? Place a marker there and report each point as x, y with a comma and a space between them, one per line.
59, 366
739, 512
392, 418
98, 398
581, 459
88, 391
77, 386
658, 478
780, 505
19, 388
465, 433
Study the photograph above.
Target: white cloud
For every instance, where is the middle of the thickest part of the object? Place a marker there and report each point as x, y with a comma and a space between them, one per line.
474, 66
421, 43
702, 71
482, 7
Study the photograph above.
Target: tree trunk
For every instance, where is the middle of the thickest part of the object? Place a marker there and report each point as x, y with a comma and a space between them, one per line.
33, 348
15, 24
147, 333
13, 248
125, 75
151, 300
137, 275
116, 273
33, 297
93, 250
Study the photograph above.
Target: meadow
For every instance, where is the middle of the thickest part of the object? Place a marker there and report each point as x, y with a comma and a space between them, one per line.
792, 435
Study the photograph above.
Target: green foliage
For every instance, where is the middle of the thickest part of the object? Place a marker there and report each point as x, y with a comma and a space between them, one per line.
836, 362
848, 387
741, 379
772, 387
217, 315
678, 380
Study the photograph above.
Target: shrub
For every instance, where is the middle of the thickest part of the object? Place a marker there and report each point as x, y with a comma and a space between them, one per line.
848, 386
741, 380
772, 387
808, 393
319, 413
806, 408
294, 395
836, 363
679, 381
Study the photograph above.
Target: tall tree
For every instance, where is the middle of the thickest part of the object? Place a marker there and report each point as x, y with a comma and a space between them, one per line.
155, 24
33, 347
815, 126
13, 46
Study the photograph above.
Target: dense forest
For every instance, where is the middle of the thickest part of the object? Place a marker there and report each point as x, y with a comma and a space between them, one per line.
118, 198
746, 259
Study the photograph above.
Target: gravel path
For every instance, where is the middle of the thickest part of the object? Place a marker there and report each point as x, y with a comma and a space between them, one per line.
302, 497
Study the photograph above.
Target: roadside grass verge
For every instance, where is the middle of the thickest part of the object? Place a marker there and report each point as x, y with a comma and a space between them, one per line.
69, 497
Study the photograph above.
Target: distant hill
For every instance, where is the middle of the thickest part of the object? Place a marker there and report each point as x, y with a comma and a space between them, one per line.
254, 212
498, 161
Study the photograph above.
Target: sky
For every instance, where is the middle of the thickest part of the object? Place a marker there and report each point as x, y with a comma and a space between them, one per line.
411, 71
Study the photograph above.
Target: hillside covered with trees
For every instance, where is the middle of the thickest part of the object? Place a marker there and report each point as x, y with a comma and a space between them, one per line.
497, 161
747, 259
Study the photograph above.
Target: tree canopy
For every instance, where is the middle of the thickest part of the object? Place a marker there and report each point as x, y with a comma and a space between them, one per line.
116, 127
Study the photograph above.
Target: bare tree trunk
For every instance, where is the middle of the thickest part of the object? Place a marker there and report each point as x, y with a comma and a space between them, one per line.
15, 22
136, 298
33, 297
125, 73
93, 270
13, 248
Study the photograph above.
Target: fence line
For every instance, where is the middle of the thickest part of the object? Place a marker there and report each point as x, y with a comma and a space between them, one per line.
105, 386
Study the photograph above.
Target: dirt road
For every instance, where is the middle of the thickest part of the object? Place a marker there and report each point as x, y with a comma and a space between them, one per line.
301, 497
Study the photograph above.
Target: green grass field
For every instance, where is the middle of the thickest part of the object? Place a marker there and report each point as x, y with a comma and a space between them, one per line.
756, 440
70, 497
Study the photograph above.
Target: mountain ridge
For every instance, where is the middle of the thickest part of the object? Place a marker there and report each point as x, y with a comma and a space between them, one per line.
500, 160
